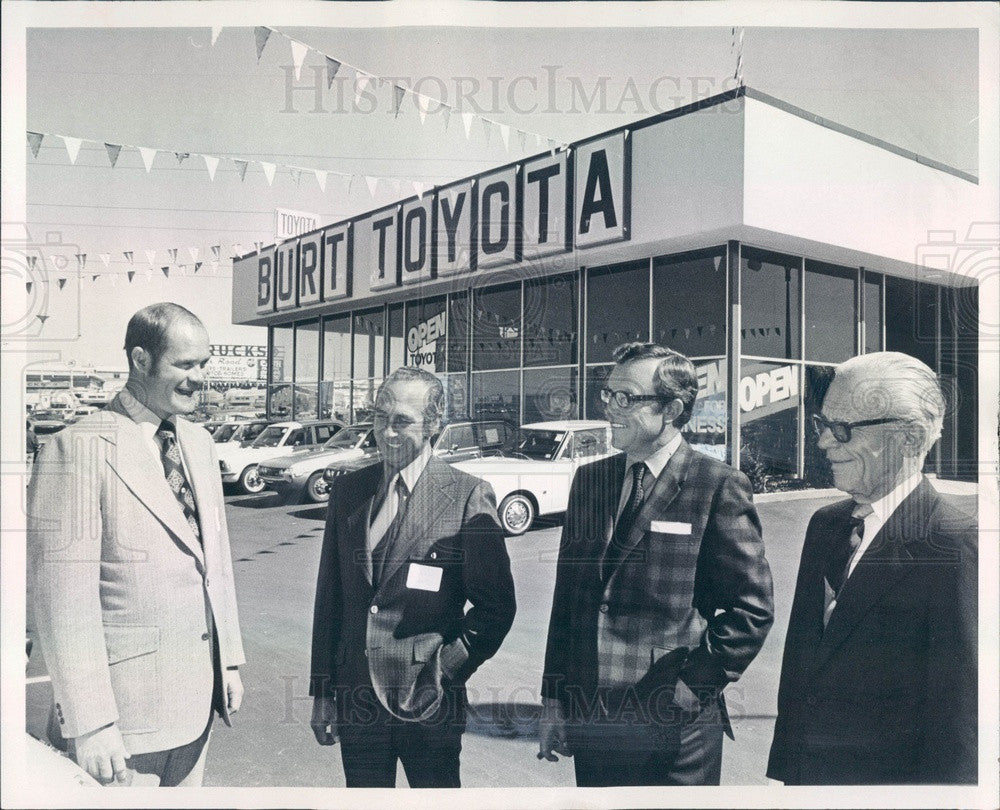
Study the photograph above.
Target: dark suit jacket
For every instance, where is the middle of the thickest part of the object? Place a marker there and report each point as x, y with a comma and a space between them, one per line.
406, 642
690, 597
887, 693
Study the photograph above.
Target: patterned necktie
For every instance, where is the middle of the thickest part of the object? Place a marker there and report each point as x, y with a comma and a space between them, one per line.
626, 520
173, 469
381, 551
839, 562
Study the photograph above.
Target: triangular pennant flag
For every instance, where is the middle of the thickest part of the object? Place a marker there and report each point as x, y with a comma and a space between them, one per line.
72, 147
35, 142
128, 256
106, 258
446, 112
211, 163
299, 52
32, 261
241, 167
217, 251
522, 137
173, 255
257, 246
27, 286
372, 184
505, 136
130, 274
552, 147
419, 189
197, 266
321, 179
182, 156
166, 271
148, 155
150, 257
261, 33
467, 121
268, 171
215, 32
43, 318
61, 282
114, 149
296, 174
332, 66
237, 248
397, 99
94, 277
183, 269
81, 260
194, 253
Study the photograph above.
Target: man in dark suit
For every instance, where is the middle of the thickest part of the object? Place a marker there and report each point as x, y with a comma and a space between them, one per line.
408, 543
662, 595
878, 681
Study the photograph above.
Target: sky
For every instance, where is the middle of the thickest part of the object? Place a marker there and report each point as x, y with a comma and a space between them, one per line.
171, 89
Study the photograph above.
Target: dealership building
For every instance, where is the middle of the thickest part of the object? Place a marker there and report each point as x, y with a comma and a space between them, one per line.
765, 243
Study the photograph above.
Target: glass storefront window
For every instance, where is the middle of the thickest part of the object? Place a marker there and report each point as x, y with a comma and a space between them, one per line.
496, 327
873, 312
306, 401
337, 347
770, 304
831, 321
911, 318
369, 343
496, 395
335, 400
397, 338
689, 304
307, 351
363, 399
706, 430
596, 377
426, 333
458, 332
456, 396
551, 314
769, 398
280, 401
617, 308
282, 341
816, 469
550, 393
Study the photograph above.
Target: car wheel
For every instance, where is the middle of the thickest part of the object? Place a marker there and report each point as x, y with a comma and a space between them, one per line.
516, 514
250, 482
317, 490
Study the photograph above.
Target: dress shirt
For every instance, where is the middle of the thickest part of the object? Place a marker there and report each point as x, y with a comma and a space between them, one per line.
654, 464
149, 424
881, 510
390, 506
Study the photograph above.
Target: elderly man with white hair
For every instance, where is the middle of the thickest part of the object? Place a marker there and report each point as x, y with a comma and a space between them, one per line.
878, 681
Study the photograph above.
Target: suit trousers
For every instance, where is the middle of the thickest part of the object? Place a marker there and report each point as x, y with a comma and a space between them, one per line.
618, 749
372, 740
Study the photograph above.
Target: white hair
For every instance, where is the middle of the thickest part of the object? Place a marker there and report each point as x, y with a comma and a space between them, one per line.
896, 385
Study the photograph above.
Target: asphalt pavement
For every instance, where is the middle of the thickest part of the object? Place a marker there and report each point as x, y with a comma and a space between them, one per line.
276, 550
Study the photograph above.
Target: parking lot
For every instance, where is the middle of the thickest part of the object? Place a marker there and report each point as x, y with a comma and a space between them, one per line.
276, 551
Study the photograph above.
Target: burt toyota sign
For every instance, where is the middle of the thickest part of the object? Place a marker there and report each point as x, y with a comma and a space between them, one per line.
542, 206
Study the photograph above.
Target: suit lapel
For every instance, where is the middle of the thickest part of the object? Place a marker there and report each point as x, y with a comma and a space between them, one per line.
433, 493
879, 568
135, 465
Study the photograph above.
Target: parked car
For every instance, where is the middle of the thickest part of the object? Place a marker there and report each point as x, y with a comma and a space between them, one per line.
301, 474
534, 478
80, 412
457, 441
46, 422
244, 432
238, 462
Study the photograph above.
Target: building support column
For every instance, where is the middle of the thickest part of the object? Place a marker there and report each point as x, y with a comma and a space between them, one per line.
734, 347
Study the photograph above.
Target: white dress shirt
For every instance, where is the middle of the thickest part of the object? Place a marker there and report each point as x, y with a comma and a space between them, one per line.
881, 511
654, 464
410, 474
149, 424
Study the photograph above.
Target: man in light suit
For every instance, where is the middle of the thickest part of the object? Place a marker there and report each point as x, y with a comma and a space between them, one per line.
878, 681
408, 543
129, 569
662, 595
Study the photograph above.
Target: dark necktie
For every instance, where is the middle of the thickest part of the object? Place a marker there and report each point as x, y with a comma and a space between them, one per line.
173, 469
626, 520
381, 551
839, 562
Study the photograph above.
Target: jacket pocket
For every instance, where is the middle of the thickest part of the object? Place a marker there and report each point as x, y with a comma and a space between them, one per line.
135, 678
425, 647
125, 641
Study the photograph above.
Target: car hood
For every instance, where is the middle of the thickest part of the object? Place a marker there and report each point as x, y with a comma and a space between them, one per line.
319, 458
500, 465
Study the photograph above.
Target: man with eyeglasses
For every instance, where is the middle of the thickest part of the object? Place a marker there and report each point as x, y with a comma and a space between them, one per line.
408, 544
662, 595
878, 680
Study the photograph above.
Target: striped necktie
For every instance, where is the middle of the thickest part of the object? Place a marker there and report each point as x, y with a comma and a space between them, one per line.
173, 470
626, 520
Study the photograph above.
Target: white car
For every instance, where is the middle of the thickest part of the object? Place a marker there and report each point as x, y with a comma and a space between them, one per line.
534, 479
238, 463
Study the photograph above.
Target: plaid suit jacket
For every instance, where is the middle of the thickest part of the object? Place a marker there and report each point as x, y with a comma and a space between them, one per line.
692, 586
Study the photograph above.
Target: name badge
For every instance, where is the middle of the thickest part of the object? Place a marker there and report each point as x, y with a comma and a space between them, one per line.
424, 577
669, 527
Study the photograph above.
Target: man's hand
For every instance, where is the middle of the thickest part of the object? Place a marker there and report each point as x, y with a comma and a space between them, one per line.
102, 754
232, 685
324, 720
552, 731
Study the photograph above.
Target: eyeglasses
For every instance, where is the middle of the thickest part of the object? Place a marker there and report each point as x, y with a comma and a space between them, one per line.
625, 399
841, 431
398, 423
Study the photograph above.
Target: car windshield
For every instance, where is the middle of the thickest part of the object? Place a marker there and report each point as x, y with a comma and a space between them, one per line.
539, 444
46, 415
251, 430
346, 438
223, 433
270, 437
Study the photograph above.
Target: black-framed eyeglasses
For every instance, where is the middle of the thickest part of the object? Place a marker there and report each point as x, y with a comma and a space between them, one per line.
841, 431
626, 399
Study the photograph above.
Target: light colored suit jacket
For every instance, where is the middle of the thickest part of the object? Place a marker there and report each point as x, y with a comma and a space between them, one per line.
127, 603
409, 642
